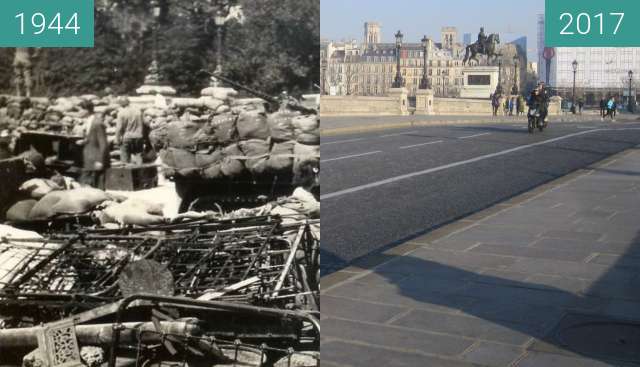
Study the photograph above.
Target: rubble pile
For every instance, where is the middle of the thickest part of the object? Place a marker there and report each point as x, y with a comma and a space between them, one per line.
234, 287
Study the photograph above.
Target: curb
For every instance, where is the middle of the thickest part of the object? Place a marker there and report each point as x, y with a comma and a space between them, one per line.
476, 121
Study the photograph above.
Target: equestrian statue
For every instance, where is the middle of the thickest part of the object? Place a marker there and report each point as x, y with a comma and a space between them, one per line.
487, 46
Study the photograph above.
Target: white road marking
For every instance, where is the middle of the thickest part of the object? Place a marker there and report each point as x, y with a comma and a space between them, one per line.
398, 134
342, 141
474, 136
350, 156
419, 145
456, 164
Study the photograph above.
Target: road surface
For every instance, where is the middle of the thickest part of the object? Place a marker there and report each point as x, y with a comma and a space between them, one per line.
382, 188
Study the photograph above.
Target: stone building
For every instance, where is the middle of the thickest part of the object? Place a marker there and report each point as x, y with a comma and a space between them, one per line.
369, 68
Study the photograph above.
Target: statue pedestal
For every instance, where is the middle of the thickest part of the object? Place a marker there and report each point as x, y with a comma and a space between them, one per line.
424, 102
479, 81
401, 95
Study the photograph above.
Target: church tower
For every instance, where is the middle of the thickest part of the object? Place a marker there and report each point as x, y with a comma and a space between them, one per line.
449, 37
371, 33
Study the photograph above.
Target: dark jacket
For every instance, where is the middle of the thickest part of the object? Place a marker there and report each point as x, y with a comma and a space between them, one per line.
96, 146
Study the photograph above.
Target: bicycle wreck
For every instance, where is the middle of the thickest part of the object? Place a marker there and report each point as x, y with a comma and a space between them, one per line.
198, 292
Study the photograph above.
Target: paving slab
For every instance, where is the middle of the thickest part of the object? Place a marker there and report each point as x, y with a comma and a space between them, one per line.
492, 290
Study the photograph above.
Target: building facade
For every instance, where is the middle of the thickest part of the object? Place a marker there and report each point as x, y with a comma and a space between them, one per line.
601, 71
369, 68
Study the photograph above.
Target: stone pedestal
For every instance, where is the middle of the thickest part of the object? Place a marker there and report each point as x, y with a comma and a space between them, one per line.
424, 102
400, 94
479, 81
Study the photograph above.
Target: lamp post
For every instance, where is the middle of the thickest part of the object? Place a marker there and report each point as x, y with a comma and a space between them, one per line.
631, 101
398, 82
574, 64
499, 87
515, 89
323, 77
153, 72
424, 83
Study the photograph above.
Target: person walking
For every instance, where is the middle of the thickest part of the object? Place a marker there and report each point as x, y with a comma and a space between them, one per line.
95, 151
495, 103
610, 106
131, 132
603, 108
580, 105
506, 106
512, 105
520, 105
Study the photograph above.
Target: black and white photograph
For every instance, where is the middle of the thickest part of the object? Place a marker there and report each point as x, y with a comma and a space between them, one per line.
160, 192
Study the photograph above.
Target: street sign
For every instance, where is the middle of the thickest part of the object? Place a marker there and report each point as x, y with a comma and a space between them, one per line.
549, 53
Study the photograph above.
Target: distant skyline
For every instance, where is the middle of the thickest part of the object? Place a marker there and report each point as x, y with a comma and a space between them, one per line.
344, 19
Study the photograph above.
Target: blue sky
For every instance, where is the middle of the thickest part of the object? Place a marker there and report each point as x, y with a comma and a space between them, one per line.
344, 19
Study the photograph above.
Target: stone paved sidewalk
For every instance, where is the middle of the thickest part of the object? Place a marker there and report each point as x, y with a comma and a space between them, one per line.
550, 278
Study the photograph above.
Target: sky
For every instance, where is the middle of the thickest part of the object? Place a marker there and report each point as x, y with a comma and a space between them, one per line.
344, 19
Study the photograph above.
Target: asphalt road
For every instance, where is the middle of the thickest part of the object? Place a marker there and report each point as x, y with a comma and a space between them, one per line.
383, 188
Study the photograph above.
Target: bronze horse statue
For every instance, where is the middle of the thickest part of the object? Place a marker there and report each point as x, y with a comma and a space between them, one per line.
490, 49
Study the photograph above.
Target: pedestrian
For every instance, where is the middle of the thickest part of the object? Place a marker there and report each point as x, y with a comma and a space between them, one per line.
610, 106
131, 132
615, 107
512, 104
95, 151
603, 107
495, 103
580, 105
506, 106
521, 105
5, 145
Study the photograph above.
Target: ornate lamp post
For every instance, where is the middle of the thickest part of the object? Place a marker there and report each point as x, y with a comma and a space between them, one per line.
424, 82
499, 87
574, 64
631, 100
398, 82
515, 89
153, 75
219, 20
323, 77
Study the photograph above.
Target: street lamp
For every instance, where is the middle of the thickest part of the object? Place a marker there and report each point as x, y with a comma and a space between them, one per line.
515, 88
424, 83
573, 100
219, 20
398, 82
631, 101
323, 77
499, 87
153, 72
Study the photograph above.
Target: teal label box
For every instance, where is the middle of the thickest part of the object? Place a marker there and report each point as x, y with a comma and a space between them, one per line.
46, 23
592, 23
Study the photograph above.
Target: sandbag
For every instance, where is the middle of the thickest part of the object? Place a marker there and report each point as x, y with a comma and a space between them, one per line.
224, 128
179, 158
281, 125
311, 138
180, 133
232, 164
19, 212
305, 153
133, 211
39, 187
281, 156
306, 124
205, 159
212, 172
75, 201
257, 152
210, 102
219, 93
253, 125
